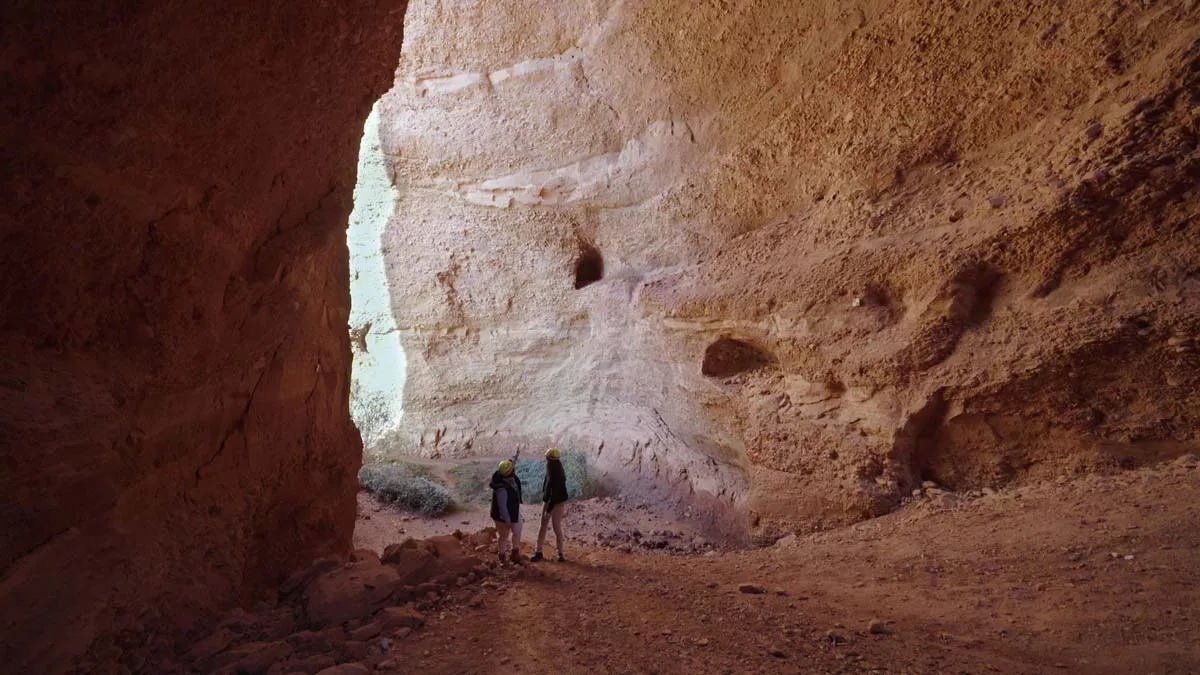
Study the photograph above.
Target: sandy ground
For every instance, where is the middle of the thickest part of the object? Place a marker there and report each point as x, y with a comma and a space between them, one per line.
1097, 574
596, 522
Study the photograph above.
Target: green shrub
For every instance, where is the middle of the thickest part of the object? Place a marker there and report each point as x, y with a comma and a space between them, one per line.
533, 471
404, 485
370, 412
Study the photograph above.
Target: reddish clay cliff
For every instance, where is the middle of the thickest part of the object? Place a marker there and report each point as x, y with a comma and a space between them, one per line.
173, 355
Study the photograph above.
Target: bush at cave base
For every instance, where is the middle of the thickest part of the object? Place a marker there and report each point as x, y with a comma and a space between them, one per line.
401, 485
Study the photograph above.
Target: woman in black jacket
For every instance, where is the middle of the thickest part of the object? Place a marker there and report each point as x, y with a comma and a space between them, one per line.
506, 508
554, 502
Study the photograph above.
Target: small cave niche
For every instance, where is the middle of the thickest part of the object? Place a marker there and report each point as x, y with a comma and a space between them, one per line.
589, 266
729, 356
920, 436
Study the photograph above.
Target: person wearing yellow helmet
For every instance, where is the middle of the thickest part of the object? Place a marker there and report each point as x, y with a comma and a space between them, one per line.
506, 508
554, 503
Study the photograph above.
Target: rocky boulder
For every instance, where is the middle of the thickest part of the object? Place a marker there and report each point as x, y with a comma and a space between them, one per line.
357, 589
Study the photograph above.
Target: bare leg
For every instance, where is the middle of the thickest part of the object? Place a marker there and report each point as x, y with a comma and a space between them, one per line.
516, 538
541, 540
502, 537
556, 515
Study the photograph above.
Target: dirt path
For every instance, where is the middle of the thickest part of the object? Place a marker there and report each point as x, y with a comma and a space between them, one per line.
627, 614
1096, 575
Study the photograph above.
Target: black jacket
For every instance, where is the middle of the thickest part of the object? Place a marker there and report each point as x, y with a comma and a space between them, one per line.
554, 486
512, 497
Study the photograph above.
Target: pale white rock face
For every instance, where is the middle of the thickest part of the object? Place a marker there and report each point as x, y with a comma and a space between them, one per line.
379, 367
815, 182
511, 154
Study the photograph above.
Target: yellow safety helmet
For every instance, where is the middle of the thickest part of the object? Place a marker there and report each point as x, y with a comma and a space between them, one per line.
552, 453
506, 467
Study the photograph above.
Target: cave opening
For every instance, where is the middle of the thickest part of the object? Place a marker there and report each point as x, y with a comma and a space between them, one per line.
589, 266
379, 366
729, 356
183, 326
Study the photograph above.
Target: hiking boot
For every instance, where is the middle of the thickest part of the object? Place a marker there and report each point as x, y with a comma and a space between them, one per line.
502, 557
561, 558
537, 557
516, 558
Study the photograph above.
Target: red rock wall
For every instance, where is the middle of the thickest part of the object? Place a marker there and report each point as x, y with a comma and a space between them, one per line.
175, 183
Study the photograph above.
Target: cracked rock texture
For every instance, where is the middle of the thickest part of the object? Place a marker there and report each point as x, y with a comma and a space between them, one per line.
173, 358
847, 247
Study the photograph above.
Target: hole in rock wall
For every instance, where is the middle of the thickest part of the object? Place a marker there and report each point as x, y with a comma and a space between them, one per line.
379, 368
728, 356
589, 266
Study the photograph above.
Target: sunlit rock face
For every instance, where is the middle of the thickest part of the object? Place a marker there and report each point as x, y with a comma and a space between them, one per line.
527, 230
843, 248
174, 366
379, 367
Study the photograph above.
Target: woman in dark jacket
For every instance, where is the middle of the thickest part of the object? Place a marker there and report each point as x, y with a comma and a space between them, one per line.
506, 508
554, 503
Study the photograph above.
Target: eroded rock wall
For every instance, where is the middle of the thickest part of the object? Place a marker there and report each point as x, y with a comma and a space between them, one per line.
846, 246
173, 356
